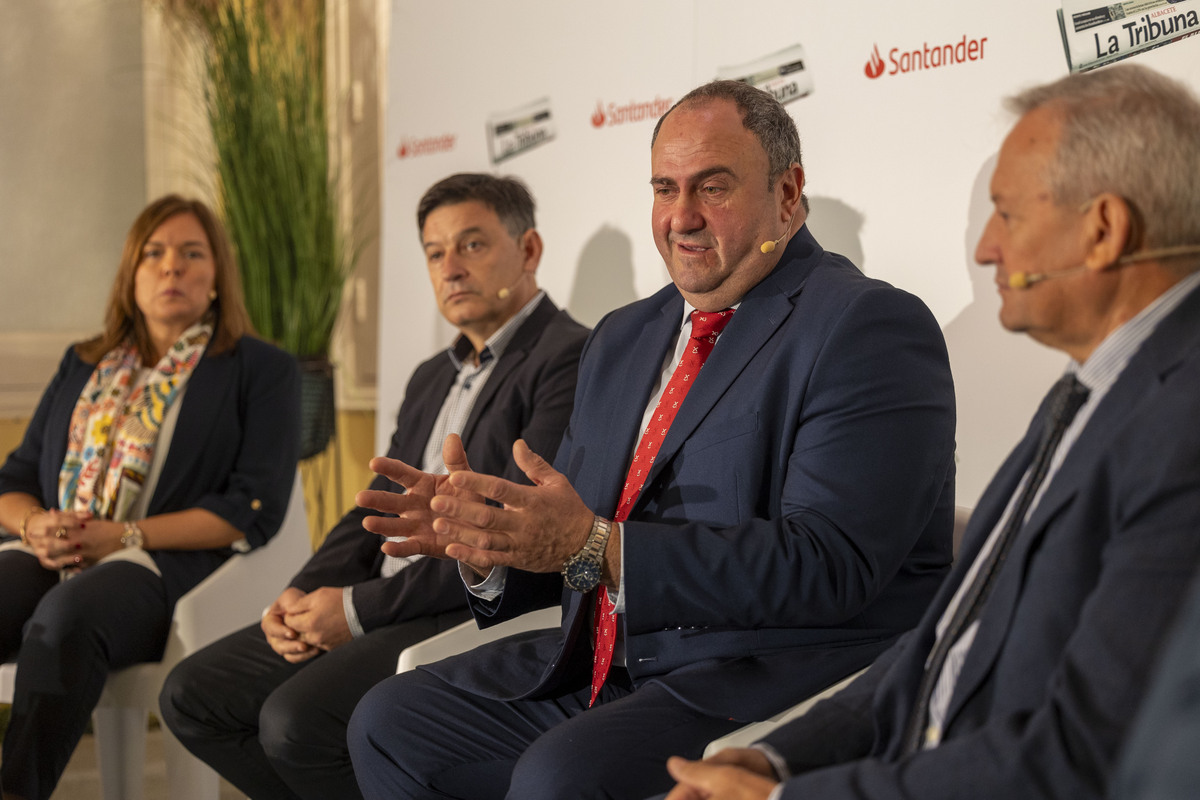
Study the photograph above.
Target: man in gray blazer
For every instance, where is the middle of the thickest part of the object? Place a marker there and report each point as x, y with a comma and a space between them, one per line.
267, 707
1024, 674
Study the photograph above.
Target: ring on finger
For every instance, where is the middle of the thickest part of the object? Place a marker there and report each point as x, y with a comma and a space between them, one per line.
61, 533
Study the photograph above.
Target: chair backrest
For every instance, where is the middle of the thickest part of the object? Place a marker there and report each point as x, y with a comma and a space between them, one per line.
962, 515
8, 676
235, 594
230, 598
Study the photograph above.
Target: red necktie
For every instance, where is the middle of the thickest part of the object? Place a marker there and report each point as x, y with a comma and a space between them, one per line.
706, 326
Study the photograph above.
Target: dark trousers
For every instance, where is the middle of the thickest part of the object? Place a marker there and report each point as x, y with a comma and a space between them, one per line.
105, 618
415, 736
274, 729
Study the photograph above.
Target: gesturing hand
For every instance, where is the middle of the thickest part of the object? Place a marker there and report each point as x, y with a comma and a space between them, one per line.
413, 518
537, 529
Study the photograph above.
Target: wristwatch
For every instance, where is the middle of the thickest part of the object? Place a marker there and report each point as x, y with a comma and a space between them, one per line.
133, 536
581, 572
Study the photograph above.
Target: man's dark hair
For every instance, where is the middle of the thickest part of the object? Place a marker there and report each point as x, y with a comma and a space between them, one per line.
761, 114
507, 196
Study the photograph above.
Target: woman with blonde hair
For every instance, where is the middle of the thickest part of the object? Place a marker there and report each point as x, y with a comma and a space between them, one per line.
159, 447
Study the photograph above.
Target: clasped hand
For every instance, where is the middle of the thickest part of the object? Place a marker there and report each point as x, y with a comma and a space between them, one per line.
732, 774
536, 528
300, 625
71, 540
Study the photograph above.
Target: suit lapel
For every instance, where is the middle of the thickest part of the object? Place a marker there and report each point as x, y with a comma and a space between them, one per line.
415, 437
640, 372
751, 327
1142, 378
983, 520
762, 312
516, 352
199, 418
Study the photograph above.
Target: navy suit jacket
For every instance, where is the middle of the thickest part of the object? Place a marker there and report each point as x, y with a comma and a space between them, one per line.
797, 517
1066, 641
528, 395
1159, 759
233, 452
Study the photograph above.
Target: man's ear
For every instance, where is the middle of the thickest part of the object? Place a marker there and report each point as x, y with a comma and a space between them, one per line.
531, 250
1111, 229
791, 192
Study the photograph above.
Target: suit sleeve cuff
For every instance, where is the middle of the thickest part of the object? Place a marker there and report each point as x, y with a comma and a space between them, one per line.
356, 628
778, 763
488, 589
619, 602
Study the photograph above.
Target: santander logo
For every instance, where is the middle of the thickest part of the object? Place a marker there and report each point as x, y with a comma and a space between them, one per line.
874, 67
426, 146
619, 114
902, 61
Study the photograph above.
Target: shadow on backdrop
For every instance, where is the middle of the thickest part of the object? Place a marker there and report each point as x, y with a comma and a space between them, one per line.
838, 227
603, 277
999, 377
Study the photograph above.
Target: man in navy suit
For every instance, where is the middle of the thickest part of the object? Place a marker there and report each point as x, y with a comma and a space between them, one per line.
791, 519
1023, 676
1159, 759
267, 707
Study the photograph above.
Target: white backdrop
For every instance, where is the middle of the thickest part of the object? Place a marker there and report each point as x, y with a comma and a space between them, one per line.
897, 165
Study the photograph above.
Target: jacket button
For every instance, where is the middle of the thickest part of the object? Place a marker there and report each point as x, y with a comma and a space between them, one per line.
256, 504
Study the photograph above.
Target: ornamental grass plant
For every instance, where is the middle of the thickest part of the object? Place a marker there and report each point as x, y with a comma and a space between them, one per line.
276, 187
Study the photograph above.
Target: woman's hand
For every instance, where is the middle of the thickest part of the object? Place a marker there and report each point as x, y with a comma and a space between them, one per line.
72, 540
54, 536
96, 539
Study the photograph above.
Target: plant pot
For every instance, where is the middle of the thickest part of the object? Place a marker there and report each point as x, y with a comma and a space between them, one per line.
317, 409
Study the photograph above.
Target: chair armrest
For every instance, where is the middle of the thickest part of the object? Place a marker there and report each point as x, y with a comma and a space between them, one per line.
467, 636
744, 737
235, 594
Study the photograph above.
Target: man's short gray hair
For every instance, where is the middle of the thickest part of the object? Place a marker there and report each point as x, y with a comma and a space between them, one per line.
1131, 131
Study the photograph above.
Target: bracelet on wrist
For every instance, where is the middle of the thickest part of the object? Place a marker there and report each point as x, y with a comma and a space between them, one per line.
133, 536
25, 523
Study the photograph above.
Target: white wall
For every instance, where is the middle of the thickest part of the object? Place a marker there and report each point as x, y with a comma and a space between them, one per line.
72, 176
897, 166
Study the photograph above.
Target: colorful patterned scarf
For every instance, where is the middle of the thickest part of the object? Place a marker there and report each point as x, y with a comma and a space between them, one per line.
114, 428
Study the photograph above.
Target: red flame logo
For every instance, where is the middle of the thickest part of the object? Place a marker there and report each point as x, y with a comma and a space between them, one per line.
874, 67
598, 118
403, 151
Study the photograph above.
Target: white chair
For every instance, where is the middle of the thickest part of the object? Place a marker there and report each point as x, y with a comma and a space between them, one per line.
230, 598
751, 733
467, 635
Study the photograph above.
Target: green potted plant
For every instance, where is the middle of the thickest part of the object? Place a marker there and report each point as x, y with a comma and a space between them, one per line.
276, 187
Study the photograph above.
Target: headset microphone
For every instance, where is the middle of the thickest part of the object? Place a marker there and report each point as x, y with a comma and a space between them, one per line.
769, 247
504, 293
1023, 280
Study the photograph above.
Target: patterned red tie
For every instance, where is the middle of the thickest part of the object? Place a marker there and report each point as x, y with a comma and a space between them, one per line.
706, 326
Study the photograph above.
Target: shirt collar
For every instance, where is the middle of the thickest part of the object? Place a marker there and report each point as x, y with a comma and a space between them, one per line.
1107, 361
461, 350
688, 308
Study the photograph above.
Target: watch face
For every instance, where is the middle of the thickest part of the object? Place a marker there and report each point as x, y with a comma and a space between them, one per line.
581, 575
